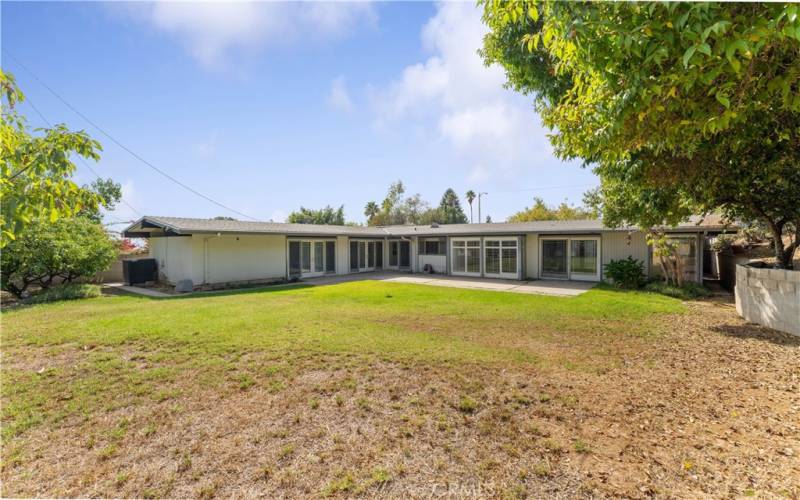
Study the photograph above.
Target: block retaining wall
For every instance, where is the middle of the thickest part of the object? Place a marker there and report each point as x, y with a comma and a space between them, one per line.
769, 297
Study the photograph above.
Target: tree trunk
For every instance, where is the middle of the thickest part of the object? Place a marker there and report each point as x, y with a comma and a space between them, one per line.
783, 255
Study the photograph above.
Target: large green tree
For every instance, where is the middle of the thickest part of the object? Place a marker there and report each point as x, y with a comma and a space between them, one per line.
450, 208
36, 169
541, 211
679, 107
327, 215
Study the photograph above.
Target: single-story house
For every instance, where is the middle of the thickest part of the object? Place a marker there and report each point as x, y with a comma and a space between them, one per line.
210, 251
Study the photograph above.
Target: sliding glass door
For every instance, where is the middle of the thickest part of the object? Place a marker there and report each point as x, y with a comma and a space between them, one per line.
500, 258
570, 258
399, 254
366, 255
311, 258
466, 256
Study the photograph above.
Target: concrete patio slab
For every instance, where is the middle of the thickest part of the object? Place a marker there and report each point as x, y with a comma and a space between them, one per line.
543, 287
138, 290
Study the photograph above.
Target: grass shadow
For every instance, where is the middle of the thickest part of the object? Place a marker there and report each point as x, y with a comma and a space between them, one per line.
758, 332
212, 293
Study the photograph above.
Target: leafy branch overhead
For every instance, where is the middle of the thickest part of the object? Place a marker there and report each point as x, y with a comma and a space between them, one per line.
36, 169
679, 107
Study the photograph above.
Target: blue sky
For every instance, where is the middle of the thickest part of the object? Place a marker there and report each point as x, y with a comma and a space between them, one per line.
266, 107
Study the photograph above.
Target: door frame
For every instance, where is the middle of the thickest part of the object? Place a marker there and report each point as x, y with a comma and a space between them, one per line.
312, 241
453, 240
502, 274
397, 267
366, 241
570, 276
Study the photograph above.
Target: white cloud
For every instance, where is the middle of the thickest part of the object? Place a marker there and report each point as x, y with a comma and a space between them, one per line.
339, 97
213, 32
491, 128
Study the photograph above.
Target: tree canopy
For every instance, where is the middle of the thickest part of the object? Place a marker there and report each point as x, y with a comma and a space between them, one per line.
679, 107
327, 215
36, 170
541, 211
450, 211
397, 208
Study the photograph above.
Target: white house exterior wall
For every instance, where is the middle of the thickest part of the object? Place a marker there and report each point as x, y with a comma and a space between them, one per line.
232, 258
618, 245
174, 257
531, 256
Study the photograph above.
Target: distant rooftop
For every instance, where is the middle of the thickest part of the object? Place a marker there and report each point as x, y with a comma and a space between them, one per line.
181, 225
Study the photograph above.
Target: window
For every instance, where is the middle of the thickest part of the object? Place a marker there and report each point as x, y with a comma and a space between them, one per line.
394, 247
583, 258
432, 246
330, 256
500, 257
319, 256
306, 256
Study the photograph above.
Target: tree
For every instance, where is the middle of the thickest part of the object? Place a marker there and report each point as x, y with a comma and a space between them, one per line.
540, 211
370, 211
397, 209
470, 198
679, 107
36, 168
325, 215
450, 208
109, 193
67, 249
488, 219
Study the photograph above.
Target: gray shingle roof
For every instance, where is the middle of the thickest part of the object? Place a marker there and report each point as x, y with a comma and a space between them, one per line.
181, 225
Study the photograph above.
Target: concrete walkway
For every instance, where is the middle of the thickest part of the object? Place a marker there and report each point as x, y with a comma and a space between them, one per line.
542, 287
138, 290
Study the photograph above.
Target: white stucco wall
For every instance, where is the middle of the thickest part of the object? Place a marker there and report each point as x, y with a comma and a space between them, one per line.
531, 247
228, 258
342, 255
174, 256
438, 262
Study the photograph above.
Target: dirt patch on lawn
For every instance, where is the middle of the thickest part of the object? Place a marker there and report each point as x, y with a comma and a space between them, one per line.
708, 408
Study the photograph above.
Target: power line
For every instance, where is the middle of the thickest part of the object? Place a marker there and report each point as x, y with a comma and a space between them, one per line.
123, 200
115, 141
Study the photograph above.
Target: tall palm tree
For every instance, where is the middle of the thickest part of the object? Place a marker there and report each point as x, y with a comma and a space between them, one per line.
470, 198
371, 210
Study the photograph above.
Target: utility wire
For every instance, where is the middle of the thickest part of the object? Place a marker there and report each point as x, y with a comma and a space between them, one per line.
123, 200
115, 141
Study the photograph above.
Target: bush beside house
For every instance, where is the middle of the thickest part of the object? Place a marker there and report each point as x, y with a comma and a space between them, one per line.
51, 253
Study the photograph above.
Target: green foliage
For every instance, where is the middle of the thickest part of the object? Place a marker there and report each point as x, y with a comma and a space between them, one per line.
67, 291
66, 249
399, 209
450, 210
723, 242
470, 196
681, 108
688, 291
36, 168
325, 215
109, 193
541, 211
626, 273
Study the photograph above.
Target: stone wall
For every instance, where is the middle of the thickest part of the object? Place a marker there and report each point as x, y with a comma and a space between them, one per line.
769, 297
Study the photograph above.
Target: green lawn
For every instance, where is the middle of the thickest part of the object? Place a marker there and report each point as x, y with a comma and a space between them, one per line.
67, 366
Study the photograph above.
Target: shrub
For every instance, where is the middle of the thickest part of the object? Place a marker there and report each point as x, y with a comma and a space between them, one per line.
46, 252
626, 273
67, 291
722, 242
689, 290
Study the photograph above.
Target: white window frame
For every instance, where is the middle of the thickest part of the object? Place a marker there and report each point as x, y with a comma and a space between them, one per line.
570, 276
453, 256
503, 274
311, 242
